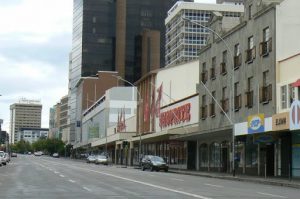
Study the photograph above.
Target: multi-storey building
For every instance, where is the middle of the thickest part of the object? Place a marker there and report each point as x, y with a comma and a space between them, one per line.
123, 36
183, 38
239, 74
32, 135
54, 121
25, 113
64, 128
235, 2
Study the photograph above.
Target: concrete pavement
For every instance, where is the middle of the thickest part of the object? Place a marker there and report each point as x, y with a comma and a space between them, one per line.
45, 177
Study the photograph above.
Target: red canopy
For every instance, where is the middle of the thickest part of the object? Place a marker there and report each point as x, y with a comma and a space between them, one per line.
296, 83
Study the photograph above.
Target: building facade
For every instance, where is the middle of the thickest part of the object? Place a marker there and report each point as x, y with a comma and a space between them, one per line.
184, 39
110, 36
32, 135
239, 74
235, 2
25, 113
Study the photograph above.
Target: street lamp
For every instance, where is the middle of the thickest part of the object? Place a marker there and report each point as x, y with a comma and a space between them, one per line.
140, 100
231, 99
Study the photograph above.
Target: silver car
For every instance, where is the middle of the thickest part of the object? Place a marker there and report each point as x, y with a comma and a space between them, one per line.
7, 157
2, 158
101, 159
91, 159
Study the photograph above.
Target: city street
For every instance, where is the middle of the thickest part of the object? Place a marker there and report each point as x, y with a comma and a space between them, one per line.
45, 177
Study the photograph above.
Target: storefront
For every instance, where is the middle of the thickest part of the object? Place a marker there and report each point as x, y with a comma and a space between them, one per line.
263, 146
295, 131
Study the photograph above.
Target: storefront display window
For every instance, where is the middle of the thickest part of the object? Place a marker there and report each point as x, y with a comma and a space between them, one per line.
296, 154
251, 154
214, 150
203, 160
240, 155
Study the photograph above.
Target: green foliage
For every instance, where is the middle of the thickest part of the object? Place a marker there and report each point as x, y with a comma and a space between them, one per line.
48, 146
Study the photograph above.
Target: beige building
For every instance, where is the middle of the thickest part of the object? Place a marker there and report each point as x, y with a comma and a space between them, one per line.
25, 113
288, 82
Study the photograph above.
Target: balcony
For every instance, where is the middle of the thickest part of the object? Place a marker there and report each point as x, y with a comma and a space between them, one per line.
250, 55
223, 70
203, 112
225, 105
265, 94
212, 110
265, 48
237, 61
213, 73
249, 99
204, 76
237, 102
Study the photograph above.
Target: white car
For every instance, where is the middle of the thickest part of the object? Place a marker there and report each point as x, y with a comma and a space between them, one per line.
7, 157
2, 158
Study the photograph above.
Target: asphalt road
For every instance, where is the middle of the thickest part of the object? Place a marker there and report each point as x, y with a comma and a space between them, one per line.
30, 177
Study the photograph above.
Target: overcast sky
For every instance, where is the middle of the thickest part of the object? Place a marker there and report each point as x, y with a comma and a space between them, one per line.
35, 40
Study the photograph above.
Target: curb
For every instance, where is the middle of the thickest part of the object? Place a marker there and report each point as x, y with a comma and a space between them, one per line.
260, 181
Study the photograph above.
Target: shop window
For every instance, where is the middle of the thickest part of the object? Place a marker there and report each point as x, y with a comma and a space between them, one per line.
283, 91
203, 159
214, 154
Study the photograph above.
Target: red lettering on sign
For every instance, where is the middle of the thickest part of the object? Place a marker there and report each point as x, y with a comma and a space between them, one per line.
175, 116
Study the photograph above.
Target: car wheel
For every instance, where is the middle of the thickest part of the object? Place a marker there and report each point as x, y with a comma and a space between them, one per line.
152, 168
143, 168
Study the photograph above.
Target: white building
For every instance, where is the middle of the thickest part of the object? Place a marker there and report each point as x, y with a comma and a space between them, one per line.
183, 38
32, 135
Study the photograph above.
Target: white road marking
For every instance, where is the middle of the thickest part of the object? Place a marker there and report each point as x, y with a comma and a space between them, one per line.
62, 176
72, 181
272, 195
139, 182
87, 189
214, 185
56, 172
177, 179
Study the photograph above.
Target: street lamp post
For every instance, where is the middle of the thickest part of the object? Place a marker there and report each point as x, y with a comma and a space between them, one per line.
231, 99
140, 100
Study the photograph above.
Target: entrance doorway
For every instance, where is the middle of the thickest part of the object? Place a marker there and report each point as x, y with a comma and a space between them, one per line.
224, 160
191, 159
267, 159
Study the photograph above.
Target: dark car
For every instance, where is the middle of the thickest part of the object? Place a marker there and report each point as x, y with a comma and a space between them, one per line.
154, 163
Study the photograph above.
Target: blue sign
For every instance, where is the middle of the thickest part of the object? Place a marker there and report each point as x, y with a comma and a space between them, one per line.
256, 123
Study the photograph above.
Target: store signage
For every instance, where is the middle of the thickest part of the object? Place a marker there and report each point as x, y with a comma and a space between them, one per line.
295, 115
175, 116
256, 123
280, 121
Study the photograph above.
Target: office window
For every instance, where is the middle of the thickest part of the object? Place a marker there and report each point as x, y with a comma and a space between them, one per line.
266, 34
283, 97
250, 42
236, 49
250, 11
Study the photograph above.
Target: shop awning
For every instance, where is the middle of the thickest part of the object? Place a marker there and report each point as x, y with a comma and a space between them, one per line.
296, 83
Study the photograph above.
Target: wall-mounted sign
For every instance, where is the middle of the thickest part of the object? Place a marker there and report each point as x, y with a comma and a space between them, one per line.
175, 116
295, 115
280, 121
256, 123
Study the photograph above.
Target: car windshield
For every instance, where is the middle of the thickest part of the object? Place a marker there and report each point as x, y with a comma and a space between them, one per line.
156, 159
101, 157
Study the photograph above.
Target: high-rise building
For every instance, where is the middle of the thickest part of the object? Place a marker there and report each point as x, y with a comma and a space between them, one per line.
110, 36
183, 38
25, 113
236, 2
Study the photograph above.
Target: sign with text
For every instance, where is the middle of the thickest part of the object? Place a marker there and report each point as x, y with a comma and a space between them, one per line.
256, 123
295, 115
280, 121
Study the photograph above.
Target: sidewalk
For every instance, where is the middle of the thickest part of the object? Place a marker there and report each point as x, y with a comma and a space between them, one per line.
254, 179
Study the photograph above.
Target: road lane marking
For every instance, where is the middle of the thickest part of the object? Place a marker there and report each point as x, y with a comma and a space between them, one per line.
56, 172
138, 182
214, 185
62, 176
87, 189
72, 181
177, 179
272, 195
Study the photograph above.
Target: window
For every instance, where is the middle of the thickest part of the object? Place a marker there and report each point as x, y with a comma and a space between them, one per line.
204, 73
224, 101
237, 97
203, 107
283, 97
212, 110
266, 45
266, 89
237, 49
265, 77
250, 42
250, 52
213, 68
292, 94
250, 12
224, 56
249, 93
266, 34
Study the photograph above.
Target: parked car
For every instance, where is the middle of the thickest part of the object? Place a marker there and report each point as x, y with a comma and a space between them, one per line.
55, 155
13, 154
101, 159
154, 163
38, 153
29, 153
7, 157
2, 159
91, 159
